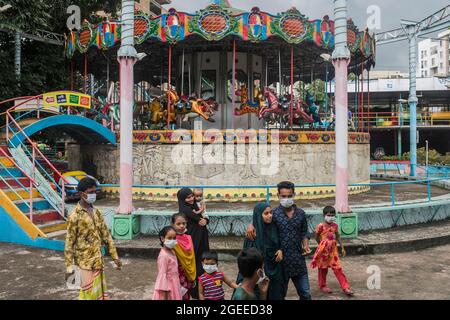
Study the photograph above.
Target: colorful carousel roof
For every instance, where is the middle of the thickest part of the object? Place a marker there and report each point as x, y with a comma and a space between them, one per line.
214, 29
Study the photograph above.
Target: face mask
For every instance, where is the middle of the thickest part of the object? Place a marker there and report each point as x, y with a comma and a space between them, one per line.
183, 232
287, 202
330, 219
262, 276
170, 243
210, 268
91, 198
198, 199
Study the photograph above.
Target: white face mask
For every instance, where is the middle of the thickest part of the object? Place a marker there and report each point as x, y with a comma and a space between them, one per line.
170, 243
262, 276
210, 268
91, 198
330, 219
287, 202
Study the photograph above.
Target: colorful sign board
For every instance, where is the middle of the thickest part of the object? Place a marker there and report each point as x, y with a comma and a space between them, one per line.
66, 98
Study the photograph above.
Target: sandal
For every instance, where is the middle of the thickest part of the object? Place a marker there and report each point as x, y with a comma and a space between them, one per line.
326, 290
348, 292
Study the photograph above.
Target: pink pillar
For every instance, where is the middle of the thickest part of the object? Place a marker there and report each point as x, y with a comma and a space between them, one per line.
126, 134
341, 96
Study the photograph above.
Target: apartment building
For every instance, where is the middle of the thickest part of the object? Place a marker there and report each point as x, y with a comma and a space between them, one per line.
434, 56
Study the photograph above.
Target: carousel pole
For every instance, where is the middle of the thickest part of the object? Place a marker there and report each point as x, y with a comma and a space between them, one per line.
341, 60
291, 118
362, 96
182, 75
169, 87
85, 73
71, 74
368, 99
234, 83
267, 74
127, 57
279, 73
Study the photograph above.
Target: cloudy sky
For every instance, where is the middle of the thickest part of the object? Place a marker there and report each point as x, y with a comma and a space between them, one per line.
389, 57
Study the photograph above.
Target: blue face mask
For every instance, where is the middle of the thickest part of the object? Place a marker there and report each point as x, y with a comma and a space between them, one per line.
330, 219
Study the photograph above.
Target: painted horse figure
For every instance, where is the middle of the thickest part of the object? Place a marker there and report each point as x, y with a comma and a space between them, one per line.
192, 105
247, 106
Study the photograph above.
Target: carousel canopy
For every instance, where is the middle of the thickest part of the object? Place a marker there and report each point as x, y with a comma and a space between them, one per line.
215, 28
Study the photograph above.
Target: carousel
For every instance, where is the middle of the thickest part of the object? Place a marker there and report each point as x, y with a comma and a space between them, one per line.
223, 68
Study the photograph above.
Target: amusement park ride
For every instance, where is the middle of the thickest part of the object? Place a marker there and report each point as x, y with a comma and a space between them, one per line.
232, 69
229, 68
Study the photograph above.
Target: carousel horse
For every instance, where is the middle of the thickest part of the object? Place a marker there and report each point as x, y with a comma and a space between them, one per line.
272, 106
248, 107
192, 105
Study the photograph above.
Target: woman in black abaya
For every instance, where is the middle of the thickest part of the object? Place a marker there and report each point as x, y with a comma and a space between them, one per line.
196, 228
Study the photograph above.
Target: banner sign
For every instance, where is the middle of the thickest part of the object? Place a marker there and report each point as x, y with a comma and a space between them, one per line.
70, 99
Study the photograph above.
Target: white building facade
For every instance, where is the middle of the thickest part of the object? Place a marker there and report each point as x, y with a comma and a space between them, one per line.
434, 57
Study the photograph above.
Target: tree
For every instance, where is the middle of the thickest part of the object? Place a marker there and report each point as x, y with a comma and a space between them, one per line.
44, 67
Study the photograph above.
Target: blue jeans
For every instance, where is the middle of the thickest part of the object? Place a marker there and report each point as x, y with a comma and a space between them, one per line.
301, 284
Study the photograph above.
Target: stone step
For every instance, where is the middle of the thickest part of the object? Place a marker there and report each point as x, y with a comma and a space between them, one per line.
52, 226
57, 235
44, 216
15, 183
14, 194
38, 204
10, 171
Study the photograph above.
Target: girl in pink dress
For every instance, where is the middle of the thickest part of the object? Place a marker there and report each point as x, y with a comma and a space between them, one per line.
167, 285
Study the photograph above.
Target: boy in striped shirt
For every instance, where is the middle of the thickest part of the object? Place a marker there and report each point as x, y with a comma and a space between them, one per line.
211, 282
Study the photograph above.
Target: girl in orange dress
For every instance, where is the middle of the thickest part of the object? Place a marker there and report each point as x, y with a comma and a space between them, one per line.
327, 256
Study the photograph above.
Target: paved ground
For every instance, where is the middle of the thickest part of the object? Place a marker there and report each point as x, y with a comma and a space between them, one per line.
377, 195
28, 273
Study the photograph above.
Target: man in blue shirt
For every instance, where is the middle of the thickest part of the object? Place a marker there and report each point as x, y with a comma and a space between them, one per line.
293, 232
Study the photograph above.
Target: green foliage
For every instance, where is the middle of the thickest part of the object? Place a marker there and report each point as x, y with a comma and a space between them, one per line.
43, 66
434, 157
316, 89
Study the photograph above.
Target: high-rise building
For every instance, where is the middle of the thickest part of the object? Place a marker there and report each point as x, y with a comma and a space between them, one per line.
434, 56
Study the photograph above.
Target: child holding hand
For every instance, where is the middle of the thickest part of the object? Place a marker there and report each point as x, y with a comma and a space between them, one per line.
326, 255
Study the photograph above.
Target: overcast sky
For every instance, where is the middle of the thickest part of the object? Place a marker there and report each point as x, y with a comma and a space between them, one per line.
389, 57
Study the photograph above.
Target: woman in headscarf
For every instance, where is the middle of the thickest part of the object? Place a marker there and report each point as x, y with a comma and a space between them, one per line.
268, 243
196, 228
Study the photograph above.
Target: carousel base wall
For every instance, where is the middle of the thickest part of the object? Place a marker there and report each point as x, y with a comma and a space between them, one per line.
155, 165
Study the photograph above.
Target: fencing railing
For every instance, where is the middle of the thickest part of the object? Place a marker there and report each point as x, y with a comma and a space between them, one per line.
9, 175
389, 119
266, 191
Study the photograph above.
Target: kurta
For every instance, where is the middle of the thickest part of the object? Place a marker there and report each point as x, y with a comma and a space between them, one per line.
85, 235
326, 255
168, 278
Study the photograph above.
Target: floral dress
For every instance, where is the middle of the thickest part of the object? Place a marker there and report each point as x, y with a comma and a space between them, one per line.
326, 255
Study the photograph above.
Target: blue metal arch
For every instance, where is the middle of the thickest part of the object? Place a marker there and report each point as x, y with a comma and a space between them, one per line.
85, 128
